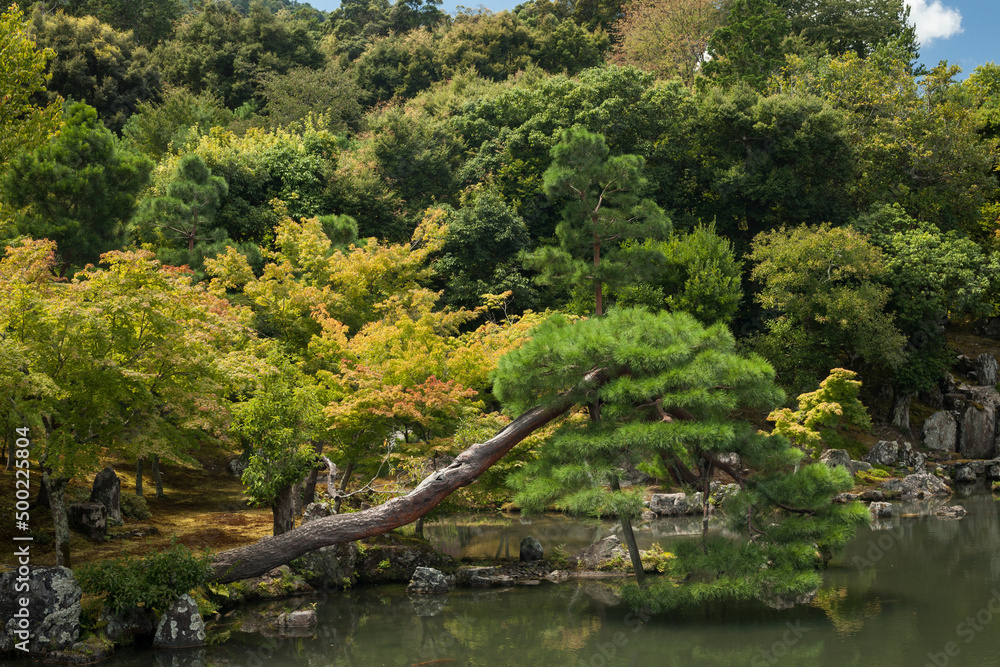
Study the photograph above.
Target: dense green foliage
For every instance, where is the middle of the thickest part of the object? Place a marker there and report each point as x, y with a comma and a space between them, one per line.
377, 203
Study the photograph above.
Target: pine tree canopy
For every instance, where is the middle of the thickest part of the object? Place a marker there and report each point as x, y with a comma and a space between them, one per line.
670, 392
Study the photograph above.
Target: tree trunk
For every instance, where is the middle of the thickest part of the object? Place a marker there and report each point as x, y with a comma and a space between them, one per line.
309, 488
56, 489
331, 476
418, 528
157, 479
633, 547
255, 559
343, 486
283, 509
901, 410
138, 477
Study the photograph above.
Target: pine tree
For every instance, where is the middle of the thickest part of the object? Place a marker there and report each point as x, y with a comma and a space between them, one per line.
670, 390
605, 209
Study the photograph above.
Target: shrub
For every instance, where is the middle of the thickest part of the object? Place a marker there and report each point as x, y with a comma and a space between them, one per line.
134, 507
154, 582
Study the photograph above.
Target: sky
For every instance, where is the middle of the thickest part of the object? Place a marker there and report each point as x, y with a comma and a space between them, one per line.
963, 32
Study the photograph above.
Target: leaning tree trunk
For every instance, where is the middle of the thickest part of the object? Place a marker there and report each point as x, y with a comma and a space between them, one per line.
633, 546
901, 410
55, 488
343, 486
255, 559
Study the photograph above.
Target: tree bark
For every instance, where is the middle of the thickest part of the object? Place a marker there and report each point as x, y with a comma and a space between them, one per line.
284, 509
343, 486
55, 488
138, 477
901, 410
157, 479
255, 559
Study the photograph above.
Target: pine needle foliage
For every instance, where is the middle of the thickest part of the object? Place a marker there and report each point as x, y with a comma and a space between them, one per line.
669, 391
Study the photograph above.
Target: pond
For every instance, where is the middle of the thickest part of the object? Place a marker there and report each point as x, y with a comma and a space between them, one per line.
915, 590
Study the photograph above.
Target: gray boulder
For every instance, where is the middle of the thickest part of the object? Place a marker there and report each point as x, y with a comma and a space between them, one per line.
674, 504
964, 474
107, 491
181, 626
428, 580
986, 369
857, 466
910, 457
919, 485
129, 626
953, 512
884, 453
977, 435
940, 432
836, 457
89, 519
590, 558
880, 510
298, 619
992, 470
531, 550
327, 567
52, 609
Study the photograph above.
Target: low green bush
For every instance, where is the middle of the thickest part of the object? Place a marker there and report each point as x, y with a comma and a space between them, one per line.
134, 507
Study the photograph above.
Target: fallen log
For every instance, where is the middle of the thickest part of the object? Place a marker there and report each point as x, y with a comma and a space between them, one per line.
255, 559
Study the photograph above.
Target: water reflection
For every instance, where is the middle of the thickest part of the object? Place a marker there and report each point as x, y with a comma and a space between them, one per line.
908, 592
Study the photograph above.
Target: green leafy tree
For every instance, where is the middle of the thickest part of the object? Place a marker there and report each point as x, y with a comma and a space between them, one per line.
130, 359
328, 93
96, 64
824, 285
178, 119
217, 49
668, 392
933, 276
861, 26
480, 255
604, 210
24, 124
278, 425
820, 412
78, 188
151, 21
747, 47
697, 273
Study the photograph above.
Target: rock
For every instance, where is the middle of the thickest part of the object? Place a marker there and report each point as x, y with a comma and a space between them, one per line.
992, 328
910, 457
131, 626
731, 459
428, 580
986, 370
327, 567
964, 474
107, 491
674, 504
884, 453
593, 556
872, 495
396, 563
964, 364
933, 397
53, 609
992, 470
843, 498
481, 577
920, 485
300, 618
955, 401
237, 465
940, 432
880, 510
977, 434
557, 576
531, 550
953, 512
89, 519
181, 625
836, 457
857, 466
649, 516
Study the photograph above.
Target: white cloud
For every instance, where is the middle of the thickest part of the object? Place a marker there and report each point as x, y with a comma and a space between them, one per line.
933, 20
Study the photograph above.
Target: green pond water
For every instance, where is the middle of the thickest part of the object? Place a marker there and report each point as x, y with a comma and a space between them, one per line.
914, 590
